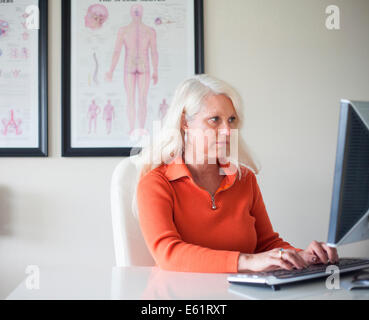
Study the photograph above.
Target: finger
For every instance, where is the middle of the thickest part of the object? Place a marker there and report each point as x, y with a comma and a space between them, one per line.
320, 253
309, 258
293, 259
315, 259
328, 251
284, 256
306, 262
332, 252
282, 264
309, 255
335, 254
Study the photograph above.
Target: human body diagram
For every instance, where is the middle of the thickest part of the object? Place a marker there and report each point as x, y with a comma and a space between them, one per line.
139, 41
93, 111
108, 116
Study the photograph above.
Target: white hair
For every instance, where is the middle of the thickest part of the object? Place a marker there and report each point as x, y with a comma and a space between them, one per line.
188, 100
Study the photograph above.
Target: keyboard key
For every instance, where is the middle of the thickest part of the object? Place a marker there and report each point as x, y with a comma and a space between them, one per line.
343, 264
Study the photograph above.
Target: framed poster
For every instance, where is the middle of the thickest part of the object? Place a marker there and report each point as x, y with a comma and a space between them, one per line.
23, 78
121, 63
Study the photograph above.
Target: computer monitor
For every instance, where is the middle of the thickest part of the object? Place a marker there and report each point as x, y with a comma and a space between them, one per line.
349, 218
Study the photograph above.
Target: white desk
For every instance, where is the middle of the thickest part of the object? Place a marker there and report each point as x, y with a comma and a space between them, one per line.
129, 283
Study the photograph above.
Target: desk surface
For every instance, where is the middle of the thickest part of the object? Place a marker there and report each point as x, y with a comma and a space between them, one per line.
138, 283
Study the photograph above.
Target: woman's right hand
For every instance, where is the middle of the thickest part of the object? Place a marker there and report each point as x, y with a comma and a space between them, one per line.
270, 260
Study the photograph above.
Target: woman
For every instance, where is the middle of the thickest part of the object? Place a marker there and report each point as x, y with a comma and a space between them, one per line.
203, 211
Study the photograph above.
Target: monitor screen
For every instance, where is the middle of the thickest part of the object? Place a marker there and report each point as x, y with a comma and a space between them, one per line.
349, 219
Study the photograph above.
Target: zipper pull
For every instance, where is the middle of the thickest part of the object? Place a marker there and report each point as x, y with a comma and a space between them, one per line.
213, 203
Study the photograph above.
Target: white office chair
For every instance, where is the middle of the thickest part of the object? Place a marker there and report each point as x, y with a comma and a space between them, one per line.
130, 247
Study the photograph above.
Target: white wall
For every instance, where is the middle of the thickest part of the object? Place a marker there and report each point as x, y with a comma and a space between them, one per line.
291, 72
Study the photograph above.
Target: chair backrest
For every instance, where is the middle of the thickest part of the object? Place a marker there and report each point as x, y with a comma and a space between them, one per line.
129, 244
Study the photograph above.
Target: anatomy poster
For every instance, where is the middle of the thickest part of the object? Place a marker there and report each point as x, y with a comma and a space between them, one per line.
19, 99
127, 57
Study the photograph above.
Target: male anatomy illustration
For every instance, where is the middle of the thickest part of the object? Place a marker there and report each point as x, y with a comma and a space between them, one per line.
163, 109
93, 112
138, 39
108, 116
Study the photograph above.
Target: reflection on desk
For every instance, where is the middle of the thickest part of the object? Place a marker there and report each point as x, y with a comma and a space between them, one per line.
136, 283
161, 285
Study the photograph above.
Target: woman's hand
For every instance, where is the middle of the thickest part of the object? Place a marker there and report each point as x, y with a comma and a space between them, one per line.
272, 260
321, 253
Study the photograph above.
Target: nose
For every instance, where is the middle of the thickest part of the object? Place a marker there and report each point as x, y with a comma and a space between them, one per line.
225, 129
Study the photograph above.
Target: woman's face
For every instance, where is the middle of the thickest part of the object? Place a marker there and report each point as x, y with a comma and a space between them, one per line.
212, 126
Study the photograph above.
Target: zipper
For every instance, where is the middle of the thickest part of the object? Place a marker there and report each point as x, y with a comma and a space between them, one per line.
213, 205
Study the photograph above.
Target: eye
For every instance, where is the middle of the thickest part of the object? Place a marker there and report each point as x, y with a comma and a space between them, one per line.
232, 119
214, 119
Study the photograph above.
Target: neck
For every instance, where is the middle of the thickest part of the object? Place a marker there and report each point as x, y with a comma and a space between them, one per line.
136, 20
201, 168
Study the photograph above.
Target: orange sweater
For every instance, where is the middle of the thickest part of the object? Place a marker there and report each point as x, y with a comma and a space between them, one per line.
186, 229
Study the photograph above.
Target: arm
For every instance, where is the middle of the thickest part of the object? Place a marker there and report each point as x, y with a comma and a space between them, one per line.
155, 209
267, 256
117, 50
154, 56
267, 238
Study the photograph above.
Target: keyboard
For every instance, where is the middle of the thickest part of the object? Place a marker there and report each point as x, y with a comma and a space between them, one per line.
280, 277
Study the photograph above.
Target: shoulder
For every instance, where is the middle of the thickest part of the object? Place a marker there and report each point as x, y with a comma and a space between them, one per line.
151, 31
247, 174
122, 30
154, 187
155, 178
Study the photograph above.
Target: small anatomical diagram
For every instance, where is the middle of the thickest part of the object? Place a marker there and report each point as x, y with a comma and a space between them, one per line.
16, 73
11, 125
108, 116
93, 111
24, 53
163, 109
25, 34
4, 28
162, 21
139, 41
14, 53
96, 16
96, 71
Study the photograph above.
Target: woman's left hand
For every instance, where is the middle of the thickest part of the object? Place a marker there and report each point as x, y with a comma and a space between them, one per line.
320, 252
